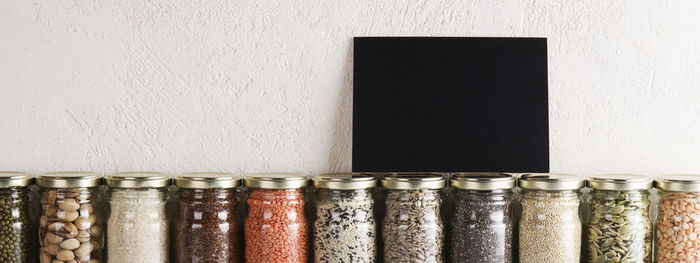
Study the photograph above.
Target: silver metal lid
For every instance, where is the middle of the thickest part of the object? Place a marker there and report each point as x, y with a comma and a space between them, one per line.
345, 181
138, 179
550, 182
9, 179
620, 182
483, 181
414, 181
206, 180
276, 181
679, 183
69, 180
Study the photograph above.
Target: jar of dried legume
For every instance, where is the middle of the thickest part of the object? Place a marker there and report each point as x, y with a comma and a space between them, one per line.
138, 223
345, 226
276, 226
70, 226
550, 223
618, 227
413, 229
206, 227
482, 224
15, 227
678, 221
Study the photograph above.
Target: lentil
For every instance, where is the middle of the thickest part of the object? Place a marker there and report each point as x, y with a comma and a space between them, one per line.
678, 228
413, 229
206, 228
276, 229
15, 239
345, 228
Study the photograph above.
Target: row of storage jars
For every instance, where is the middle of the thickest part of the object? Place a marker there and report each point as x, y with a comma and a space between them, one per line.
133, 226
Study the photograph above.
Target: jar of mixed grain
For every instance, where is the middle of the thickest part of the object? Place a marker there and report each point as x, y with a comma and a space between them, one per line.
550, 223
276, 229
483, 223
413, 228
137, 224
70, 226
206, 227
15, 226
678, 221
619, 227
345, 226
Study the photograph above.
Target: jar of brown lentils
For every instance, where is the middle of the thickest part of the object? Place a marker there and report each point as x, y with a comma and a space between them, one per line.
206, 227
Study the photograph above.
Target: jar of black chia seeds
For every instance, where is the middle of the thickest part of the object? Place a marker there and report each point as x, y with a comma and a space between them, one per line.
345, 226
413, 230
482, 226
15, 229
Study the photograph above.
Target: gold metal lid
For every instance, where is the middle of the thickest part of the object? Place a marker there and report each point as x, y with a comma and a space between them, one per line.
620, 182
205, 180
679, 183
9, 179
138, 179
69, 180
413, 181
483, 181
550, 182
276, 181
345, 181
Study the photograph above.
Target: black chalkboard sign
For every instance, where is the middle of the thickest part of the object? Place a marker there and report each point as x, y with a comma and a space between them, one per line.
450, 104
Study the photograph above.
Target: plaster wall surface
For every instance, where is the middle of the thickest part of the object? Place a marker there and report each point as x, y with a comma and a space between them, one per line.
248, 86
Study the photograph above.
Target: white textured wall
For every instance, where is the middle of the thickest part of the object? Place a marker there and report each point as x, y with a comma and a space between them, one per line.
243, 86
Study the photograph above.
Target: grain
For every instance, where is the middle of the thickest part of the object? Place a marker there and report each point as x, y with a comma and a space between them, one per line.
15, 239
345, 228
482, 227
413, 228
550, 227
137, 228
206, 227
678, 228
276, 229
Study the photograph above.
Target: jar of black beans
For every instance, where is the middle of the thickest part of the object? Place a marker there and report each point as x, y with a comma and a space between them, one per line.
15, 230
483, 224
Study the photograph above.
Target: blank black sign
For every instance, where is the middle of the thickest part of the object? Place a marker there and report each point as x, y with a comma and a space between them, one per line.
450, 104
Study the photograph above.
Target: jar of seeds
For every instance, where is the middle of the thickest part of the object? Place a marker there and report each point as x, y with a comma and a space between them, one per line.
276, 226
550, 224
137, 224
619, 227
70, 226
678, 222
15, 227
206, 227
345, 228
413, 228
482, 226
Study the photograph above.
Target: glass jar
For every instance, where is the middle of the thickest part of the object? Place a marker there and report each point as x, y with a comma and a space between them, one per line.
206, 227
483, 223
15, 227
345, 227
137, 223
678, 219
550, 223
413, 229
619, 226
276, 229
70, 226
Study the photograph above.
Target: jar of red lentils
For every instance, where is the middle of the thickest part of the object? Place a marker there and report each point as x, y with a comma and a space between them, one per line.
678, 221
276, 228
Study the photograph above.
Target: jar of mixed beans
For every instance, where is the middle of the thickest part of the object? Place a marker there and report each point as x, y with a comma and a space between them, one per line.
206, 227
345, 228
483, 222
70, 226
276, 229
15, 226
413, 229
137, 224
678, 221
550, 223
619, 228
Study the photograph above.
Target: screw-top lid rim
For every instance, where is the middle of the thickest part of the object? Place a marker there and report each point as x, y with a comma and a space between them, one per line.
345, 181
138, 179
620, 182
483, 181
414, 181
550, 182
207, 180
274, 180
679, 183
69, 179
10, 179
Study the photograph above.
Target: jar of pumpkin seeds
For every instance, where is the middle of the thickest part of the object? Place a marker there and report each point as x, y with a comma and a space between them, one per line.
619, 228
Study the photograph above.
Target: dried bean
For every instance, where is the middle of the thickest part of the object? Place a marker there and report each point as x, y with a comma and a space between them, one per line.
14, 226
678, 228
